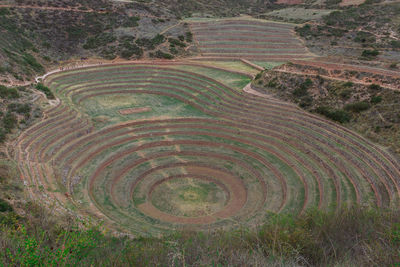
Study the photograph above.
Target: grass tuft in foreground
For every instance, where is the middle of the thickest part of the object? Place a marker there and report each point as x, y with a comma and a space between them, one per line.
356, 235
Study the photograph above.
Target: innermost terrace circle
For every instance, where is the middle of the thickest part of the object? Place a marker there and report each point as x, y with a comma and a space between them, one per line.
190, 196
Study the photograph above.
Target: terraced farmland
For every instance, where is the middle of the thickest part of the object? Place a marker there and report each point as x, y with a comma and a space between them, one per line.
197, 154
248, 39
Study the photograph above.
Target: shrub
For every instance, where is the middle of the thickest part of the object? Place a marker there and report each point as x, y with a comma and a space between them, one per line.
302, 90
375, 87
158, 39
346, 93
99, 40
13, 93
130, 49
75, 32
376, 99
357, 107
370, 54
395, 44
364, 37
176, 42
19, 108
9, 121
348, 84
31, 61
272, 83
346, 237
151, 43
3, 91
307, 83
189, 37
160, 54
5, 206
173, 50
304, 31
2, 135
45, 90
339, 115
306, 101
132, 22
8, 92
108, 53
4, 11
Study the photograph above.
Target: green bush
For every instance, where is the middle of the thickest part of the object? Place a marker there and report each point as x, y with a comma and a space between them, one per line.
302, 90
158, 39
189, 37
176, 42
306, 101
5, 206
19, 108
99, 40
346, 93
2, 135
364, 37
151, 43
41, 87
348, 84
132, 22
272, 83
370, 54
108, 53
13, 93
395, 44
160, 54
76, 32
8, 92
376, 99
375, 87
339, 115
304, 31
4, 11
31, 61
173, 50
129, 49
357, 107
344, 237
9, 121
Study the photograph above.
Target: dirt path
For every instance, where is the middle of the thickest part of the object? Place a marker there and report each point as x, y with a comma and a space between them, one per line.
171, 27
394, 88
248, 89
52, 8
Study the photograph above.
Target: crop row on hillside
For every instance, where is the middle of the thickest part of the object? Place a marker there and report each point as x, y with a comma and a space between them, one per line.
247, 39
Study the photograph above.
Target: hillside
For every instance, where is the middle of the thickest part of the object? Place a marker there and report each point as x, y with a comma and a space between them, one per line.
58, 31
